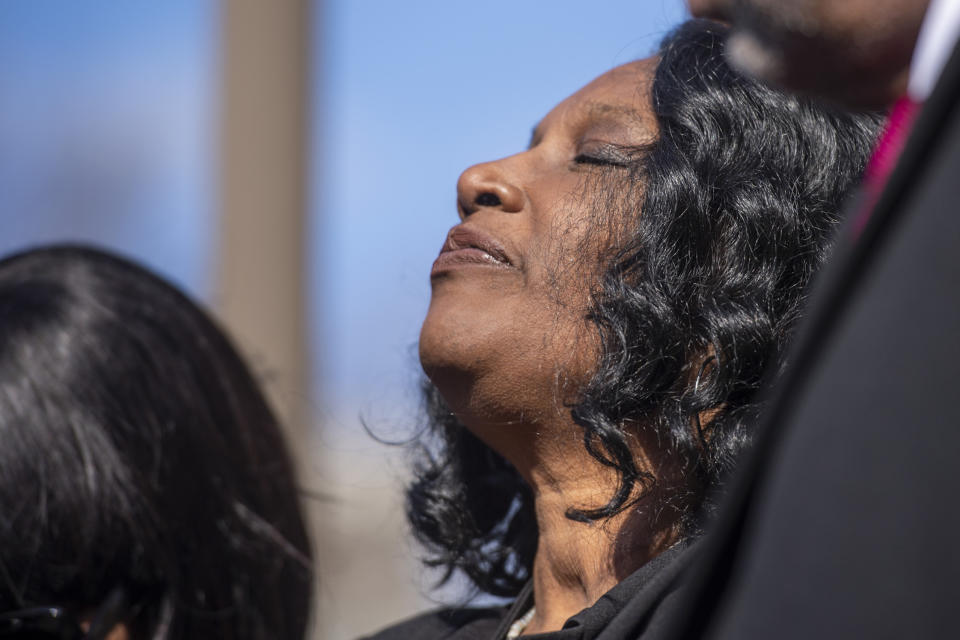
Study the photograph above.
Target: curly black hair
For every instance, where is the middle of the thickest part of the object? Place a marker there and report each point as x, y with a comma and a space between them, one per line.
723, 222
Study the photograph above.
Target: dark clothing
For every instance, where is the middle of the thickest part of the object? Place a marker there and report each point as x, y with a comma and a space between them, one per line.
637, 605
844, 522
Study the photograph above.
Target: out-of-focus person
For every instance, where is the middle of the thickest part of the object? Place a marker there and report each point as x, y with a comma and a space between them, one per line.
843, 523
601, 322
145, 487
856, 52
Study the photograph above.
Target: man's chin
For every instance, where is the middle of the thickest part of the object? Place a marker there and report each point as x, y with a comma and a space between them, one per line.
802, 71
749, 55
713, 9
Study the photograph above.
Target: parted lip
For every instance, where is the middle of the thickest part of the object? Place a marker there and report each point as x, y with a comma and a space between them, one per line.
465, 238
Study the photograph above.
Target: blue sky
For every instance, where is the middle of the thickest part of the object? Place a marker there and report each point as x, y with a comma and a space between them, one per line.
106, 128
108, 133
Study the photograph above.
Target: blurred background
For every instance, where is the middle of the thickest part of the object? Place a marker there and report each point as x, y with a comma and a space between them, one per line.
292, 164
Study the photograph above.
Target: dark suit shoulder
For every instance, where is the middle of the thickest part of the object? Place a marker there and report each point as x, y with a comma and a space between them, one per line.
844, 527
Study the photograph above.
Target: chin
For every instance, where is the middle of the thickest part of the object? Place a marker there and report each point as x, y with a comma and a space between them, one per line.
811, 68
467, 392
458, 332
454, 352
480, 371
493, 373
440, 354
719, 10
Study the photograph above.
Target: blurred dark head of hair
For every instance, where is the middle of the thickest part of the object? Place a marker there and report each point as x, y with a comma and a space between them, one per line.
139, 456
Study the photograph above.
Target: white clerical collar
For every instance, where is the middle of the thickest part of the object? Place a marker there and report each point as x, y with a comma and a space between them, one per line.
938, 36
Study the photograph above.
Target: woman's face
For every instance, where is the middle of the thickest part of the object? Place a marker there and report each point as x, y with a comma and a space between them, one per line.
506, 338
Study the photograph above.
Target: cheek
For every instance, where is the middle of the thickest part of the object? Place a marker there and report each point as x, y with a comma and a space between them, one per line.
565, 255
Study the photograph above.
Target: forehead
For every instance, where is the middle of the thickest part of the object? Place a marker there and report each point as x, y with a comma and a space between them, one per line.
622, 94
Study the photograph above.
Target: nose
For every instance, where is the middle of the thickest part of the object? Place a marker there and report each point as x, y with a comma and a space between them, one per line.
487, 185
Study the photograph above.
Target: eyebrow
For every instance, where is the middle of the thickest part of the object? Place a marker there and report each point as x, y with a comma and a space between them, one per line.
593, 110
599, 109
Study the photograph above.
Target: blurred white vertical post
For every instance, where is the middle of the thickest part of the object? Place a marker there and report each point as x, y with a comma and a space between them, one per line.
264, 143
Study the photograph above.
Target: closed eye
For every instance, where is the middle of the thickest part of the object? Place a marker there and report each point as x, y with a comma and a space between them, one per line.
606, 155
598, 160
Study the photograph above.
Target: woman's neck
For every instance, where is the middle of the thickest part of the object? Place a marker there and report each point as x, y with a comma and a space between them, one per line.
577, 562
